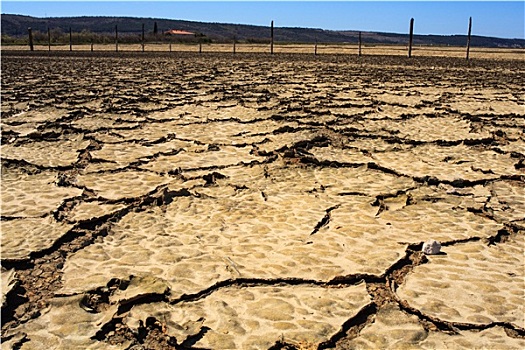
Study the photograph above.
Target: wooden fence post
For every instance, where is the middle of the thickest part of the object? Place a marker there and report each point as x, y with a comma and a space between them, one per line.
315, 47
234, 41
271, 42
91, 45
411, 37
468, 39
48, 39
170, 47
142, 37
70, 40
200, 47
116, 38
359, 53
30, 33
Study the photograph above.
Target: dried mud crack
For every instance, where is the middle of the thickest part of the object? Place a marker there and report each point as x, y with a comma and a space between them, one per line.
269, 202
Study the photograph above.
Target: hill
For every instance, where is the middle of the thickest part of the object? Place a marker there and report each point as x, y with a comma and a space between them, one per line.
16, 25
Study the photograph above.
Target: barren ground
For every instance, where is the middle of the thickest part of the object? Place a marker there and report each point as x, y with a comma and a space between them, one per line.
184, 201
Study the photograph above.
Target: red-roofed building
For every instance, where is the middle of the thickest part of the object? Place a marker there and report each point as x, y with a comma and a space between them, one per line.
177, 32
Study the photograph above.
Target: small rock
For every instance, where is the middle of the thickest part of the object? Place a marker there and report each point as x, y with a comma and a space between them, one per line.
137, 347
431, 247
20, 311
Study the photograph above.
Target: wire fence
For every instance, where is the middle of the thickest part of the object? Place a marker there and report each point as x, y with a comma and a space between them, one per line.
179, 41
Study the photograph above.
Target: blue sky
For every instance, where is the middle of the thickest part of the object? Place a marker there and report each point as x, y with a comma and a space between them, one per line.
490, 18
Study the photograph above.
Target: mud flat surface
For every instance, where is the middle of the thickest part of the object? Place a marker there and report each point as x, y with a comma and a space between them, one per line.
182, 201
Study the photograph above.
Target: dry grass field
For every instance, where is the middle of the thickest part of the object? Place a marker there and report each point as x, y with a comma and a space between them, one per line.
331, 49
180, 200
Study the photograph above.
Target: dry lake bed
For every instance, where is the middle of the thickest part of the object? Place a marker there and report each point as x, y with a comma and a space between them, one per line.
255, 201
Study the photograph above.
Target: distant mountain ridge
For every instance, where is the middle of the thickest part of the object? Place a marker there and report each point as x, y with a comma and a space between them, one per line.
16, 25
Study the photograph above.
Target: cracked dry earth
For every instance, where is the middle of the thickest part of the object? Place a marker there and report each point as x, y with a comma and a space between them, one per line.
179, 201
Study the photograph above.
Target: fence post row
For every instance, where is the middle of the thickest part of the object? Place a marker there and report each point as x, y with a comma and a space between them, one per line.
468, 38
155, 30
30, 33
271, 42
410, 40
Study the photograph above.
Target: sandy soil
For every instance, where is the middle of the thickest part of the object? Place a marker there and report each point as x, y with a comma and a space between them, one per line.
279, 48
184, 201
